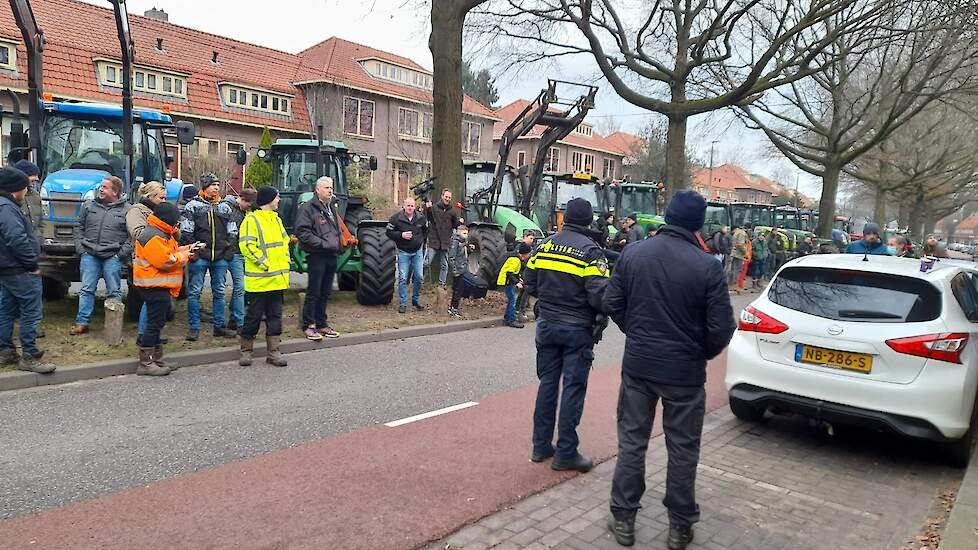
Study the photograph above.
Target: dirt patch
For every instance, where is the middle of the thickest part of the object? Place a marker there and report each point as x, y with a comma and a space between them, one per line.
345, 315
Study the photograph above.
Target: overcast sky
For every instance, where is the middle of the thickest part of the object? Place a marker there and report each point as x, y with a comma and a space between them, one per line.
398, 26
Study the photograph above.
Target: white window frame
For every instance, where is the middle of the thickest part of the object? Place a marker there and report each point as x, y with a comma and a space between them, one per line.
553, 159
431, 127
588, 166
467, 128
520, 159
608, 169
253, 99
11, 64
178, 82
198, 141
577, 161
227, 149
403, 111
359, 124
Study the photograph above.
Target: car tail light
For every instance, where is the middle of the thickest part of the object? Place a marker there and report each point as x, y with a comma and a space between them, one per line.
946, 346
753, 320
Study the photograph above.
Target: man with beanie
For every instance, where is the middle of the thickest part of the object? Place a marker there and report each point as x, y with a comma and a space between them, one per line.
32, 202
672, 280
511, 280
265, 247
20, 277
567, 273
157, 271
103, 245
207, 219
871, 242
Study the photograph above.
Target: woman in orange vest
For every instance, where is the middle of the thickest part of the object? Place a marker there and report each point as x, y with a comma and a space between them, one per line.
157, 270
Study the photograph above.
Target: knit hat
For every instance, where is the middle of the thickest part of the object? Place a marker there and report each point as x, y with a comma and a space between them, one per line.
579, 212
27, 167
12, 180
523, 248
266, 195
189, 192
208, 180
871, 229
687, 210
167, 212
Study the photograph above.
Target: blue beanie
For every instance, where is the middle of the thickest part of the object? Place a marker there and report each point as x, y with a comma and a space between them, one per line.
27, 167
579, 212
871, 229
687, 210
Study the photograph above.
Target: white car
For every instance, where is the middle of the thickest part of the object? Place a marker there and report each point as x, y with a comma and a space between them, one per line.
864, 340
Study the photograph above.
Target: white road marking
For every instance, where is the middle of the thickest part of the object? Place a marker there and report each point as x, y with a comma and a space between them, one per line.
423, 416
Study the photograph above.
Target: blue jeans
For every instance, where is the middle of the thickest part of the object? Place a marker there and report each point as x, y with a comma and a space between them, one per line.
510, 314
410, 265
441, 257
218, 270
563, 352
92, 269
236, 267
20, 300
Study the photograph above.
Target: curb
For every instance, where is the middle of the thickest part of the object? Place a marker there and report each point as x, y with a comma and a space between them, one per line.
961, 531
117, 367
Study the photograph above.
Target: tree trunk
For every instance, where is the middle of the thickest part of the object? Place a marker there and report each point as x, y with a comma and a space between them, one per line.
826, 205
445, 44
904, 215
916, 219
929, 221
879, 208
676, 178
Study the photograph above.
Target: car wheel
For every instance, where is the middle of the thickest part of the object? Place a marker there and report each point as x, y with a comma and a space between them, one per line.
745, 411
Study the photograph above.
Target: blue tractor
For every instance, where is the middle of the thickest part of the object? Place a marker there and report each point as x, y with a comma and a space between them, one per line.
76, 145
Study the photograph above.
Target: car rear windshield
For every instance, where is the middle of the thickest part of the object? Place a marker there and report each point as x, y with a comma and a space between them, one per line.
847, 295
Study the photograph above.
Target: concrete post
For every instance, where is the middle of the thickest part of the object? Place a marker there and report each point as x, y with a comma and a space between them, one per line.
115, 313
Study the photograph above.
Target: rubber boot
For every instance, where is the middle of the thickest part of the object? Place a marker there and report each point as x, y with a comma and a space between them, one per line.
247, 346
274, 357
148, 367
158, 359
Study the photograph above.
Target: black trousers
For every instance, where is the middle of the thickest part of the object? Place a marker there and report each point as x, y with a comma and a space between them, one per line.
456, 290
157, 302
683, 408
322, 271
267, 305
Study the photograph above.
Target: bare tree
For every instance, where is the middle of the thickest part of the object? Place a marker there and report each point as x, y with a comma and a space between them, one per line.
872, 81
665, 55
607, 125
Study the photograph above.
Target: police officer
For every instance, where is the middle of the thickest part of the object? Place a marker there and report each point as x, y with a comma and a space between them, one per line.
567, 273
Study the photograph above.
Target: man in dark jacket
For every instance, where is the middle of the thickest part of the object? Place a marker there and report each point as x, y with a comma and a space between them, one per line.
207, 219
871, 242
103, 245
630, 232
318, 228
670, 299
442, 221
567, 273
408, 230
32, 202
20, 277
240, 206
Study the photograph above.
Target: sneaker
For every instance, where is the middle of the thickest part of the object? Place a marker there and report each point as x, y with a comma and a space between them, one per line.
402, 309
9, 357
220, 332
328, 332
193, 335
679, 537
453, 312
538, 456
513, 324
624, 530
579, 463
312, 334
33, 363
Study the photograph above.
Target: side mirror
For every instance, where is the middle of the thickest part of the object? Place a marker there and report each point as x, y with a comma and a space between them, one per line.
186, 132
241, 157
18, 136
373, 163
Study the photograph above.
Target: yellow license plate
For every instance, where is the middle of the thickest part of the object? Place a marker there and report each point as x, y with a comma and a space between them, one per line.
859, 362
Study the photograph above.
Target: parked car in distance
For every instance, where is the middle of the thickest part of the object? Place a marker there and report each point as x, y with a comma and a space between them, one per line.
867, 341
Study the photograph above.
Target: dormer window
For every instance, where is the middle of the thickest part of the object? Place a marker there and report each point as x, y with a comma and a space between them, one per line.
144, 79
255, 99
8, 56
396, 73
585, 130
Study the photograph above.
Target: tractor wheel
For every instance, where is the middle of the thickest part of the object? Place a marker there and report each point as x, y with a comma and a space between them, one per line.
489, 254
53, 289
346, 280
379, 271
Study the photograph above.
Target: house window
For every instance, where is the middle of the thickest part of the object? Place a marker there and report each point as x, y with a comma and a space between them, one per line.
264, 101
588, 164
609, 169
254, 100
358, 117
178, 86
471, 137
275, 104
427, 125
408, 123
285, 105
234, 96
553, 159
233, 148
8, 56
577, 161
151, 81
585, 130
144, 80
140, 79
205, 147
167, 85
520, 159
408, 77
110, 75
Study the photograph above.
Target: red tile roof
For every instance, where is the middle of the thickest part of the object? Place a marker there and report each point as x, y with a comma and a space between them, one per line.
731, 176
336, 60
594, 142
624, 142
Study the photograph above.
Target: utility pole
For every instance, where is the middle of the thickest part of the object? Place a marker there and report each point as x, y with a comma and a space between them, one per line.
709, 186
797, 176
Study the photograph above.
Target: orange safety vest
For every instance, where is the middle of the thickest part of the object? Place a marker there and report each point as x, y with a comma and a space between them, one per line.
158, 261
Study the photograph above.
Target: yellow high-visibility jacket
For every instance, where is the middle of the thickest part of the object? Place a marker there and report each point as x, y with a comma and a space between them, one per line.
265, 246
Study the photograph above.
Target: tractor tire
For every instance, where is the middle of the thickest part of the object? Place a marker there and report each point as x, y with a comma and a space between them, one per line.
379, 273
347, 280
489, 254
53, 289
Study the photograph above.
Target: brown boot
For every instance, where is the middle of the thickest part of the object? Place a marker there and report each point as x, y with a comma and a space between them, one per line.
77, 330
274, 357
247, 346
148, 367
158, 359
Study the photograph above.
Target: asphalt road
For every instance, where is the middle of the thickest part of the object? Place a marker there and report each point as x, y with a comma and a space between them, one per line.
68, 443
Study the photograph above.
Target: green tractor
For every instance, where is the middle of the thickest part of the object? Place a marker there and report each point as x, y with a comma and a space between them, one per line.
762, 217
640, 199
369, 266
556, 190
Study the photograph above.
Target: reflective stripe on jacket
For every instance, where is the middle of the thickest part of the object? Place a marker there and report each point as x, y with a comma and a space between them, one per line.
158, 261
510, 272
265, 247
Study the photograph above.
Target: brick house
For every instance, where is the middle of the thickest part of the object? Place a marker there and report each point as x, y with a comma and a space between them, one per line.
583, 150
378, 102
731, 183
631, 146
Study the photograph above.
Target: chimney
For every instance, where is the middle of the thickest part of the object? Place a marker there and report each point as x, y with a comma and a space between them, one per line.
214, 57
159, 44
159, 15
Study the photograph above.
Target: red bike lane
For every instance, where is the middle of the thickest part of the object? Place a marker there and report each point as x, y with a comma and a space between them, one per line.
377, 487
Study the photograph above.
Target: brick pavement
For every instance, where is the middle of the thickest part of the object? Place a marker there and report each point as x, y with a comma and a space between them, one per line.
781, 484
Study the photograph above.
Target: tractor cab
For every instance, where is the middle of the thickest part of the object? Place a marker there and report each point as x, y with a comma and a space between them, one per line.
717, 216
642, 200
556, 190
501, 208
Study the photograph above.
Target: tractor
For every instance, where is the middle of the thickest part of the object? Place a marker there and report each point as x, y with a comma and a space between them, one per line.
556, 190
367, 264
639, 199
76, 145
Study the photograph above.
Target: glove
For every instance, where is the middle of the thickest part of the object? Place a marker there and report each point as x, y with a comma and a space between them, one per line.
597, 331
